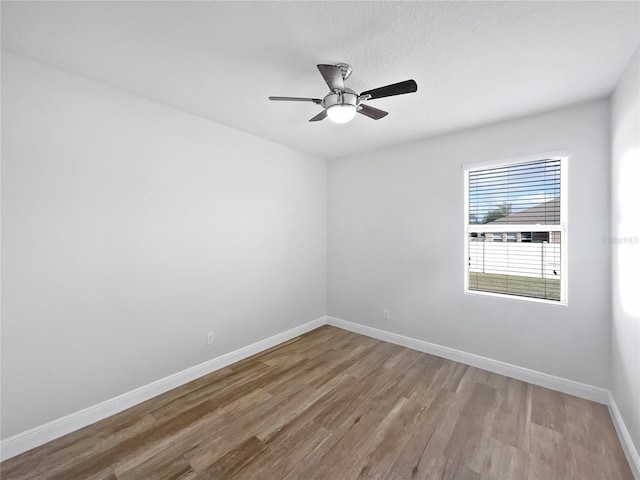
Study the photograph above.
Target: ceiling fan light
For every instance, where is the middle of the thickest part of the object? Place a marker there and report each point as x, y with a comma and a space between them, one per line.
341, 113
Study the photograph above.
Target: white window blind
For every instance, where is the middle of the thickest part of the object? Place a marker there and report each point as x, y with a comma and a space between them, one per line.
515, 232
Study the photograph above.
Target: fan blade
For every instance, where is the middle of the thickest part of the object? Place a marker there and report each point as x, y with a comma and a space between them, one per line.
333, 76
321, 116
400, 88
371, 112
296, 99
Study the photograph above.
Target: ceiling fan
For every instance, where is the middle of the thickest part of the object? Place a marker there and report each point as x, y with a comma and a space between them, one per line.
341, 104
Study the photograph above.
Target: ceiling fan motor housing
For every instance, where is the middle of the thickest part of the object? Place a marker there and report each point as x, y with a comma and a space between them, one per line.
346, 98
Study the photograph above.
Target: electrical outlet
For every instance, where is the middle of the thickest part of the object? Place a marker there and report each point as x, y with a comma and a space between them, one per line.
210, 338
385, 314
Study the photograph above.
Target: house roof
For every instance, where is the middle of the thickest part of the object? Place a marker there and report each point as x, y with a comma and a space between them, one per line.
543, 213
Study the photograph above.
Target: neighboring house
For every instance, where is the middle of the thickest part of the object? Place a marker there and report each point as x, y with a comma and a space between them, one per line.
544, 213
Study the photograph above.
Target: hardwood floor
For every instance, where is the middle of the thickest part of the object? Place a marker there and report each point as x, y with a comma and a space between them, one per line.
335, 405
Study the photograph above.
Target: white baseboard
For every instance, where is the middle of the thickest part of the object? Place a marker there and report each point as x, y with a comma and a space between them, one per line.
42, 434
630, 450
563, 385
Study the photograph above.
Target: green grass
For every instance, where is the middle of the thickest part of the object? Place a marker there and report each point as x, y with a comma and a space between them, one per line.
515, 285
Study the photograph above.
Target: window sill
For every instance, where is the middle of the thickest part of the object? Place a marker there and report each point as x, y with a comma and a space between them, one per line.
516, 298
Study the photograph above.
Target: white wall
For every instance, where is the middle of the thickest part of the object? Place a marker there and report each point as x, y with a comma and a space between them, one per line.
131, 229
625, 231
396, 233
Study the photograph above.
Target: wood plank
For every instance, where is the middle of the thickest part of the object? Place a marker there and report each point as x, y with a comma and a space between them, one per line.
469, 442
139, 448
53, 457
512, 420
284, 453
456, 471
236, 426
162, 466
234, 460
550, 456
336, 453
422, 452
358, 461
505, 461
548, 408
379, 461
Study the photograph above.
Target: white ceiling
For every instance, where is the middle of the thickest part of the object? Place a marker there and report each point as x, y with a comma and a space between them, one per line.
474, 62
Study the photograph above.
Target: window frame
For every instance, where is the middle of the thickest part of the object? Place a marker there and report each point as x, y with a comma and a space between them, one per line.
563, 156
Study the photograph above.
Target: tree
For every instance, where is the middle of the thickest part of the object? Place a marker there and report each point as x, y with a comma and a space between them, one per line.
503, 210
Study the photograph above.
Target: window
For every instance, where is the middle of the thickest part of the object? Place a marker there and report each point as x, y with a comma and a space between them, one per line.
516, 229
538, 237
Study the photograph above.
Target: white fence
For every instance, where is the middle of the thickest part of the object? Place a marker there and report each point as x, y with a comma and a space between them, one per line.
541, 260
